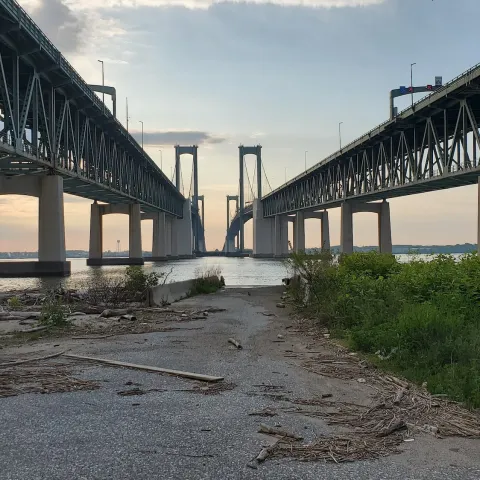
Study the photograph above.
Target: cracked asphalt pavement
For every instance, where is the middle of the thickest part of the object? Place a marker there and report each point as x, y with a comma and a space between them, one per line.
173, 433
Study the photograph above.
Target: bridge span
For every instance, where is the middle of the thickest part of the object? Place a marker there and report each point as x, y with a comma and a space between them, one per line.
56, 137
432, 145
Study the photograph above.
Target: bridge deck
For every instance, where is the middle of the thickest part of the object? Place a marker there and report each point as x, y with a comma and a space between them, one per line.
52, 120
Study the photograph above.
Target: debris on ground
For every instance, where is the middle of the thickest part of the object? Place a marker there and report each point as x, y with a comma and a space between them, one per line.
236, 343
213, 388
148, 368
41, 377
280, 305
266, 412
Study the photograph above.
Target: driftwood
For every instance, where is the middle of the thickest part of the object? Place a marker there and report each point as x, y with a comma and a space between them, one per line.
266, 451
114, 313
234, 342
32, 330
37, 359
399, 396
277, 431
177, 373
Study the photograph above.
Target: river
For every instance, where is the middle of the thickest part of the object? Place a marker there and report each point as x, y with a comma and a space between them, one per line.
243, 272
236, 271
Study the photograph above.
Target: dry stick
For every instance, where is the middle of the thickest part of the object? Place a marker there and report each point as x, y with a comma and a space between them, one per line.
277, 431
37, 359
36, 329
265, 452
99, 337
177, 373
399, 395
234, 342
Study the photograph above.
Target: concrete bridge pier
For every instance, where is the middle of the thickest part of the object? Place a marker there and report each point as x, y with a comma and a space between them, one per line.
263, 232
182, 233
299, 233
51, 226
135, 255
384, 226
324, 229
281, 236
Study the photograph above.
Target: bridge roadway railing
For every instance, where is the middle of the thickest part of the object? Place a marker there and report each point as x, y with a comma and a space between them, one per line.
431, 145
52, 119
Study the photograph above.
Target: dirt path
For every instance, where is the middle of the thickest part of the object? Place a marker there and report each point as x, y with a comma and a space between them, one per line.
179, 430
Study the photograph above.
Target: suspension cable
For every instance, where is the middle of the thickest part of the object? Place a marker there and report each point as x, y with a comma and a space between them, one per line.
266, 178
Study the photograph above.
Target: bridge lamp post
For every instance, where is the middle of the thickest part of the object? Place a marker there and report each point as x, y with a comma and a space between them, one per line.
142, 132
103, 83
161, 160
340, 133
411, 79
306, 151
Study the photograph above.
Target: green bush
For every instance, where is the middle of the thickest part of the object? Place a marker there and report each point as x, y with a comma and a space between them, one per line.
423, 316
207, 281
14, 303
54, 313
139, 281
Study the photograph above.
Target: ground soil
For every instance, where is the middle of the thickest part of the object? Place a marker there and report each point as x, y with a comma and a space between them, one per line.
104, 422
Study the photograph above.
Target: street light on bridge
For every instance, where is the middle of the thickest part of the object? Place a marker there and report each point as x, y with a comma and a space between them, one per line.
161, 160
142, 132
103, 84
411, 79
340, 134
306, 151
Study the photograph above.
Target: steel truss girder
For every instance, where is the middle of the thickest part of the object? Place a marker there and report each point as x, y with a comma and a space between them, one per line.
438, 151
39, 123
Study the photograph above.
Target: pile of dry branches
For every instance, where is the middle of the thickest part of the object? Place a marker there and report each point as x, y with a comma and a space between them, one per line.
40, 378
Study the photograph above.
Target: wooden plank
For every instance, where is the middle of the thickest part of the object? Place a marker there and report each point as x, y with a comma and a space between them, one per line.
177, 373
37, 359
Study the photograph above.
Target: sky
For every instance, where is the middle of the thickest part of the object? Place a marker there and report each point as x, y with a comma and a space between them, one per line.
282, 74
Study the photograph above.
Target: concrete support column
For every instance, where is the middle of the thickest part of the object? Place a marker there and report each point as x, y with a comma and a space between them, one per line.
478, 219
182, 236
96, 232
281, 236
159, 236
325, 231
135, 232
384, 228
299, 236
171, 239
346, 228
51, 221
263, 232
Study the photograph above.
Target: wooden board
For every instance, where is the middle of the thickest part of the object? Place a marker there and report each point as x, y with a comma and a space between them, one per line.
177, 373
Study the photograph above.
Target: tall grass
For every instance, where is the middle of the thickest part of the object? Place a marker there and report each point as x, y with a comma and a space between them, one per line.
424, 316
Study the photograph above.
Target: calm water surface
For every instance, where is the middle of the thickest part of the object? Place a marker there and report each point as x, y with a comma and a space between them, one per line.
236, 271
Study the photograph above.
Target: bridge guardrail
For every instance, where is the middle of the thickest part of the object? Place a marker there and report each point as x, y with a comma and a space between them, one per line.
377, 129
26, 22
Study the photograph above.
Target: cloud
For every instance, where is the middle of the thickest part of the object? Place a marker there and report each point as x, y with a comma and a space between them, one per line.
205, 4
64, 27
189, 137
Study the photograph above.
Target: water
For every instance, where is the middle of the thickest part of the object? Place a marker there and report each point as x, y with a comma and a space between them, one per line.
236, 271
244, 272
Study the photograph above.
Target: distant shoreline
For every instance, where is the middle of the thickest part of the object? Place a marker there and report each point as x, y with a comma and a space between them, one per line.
397, 250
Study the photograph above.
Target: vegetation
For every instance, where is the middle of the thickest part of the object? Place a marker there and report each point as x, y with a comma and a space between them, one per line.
209, 280
114, 291
54, 312
14, 303
420, 319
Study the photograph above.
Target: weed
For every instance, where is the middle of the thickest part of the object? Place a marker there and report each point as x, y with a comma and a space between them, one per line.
424, 315
14, 303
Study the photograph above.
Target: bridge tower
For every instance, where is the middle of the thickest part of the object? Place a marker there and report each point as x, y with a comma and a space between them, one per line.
257, 151
230, 242
190, 150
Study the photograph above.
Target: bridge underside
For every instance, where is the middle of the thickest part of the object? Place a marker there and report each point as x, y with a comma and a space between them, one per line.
433, 145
